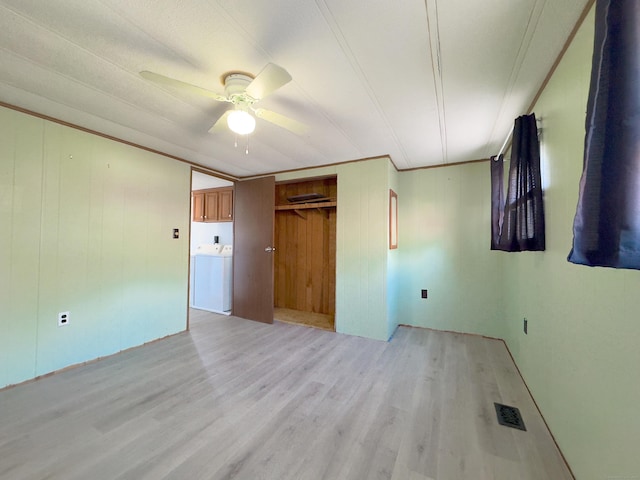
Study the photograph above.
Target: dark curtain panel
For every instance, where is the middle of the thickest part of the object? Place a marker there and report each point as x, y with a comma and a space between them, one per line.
606, 228
497, 199
522, 217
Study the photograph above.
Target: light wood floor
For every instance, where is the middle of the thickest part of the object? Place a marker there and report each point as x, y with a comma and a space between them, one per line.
310, 319
234, 399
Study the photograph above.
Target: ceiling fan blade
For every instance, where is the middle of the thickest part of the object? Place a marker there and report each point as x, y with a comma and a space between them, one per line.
271, 78
161, 79
282, 121
221, 123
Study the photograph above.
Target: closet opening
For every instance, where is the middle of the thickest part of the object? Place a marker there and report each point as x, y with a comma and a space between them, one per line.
305, 256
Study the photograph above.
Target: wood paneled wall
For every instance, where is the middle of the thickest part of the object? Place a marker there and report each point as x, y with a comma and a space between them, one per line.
305, 260
87, 227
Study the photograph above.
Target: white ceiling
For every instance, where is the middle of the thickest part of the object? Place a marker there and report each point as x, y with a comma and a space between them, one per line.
425, 81
200, 181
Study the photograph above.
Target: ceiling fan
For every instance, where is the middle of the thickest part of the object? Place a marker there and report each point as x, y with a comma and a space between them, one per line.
243, 91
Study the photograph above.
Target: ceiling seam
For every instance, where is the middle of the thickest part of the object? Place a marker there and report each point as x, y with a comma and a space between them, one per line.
523, 48
433, 29
585, 11
90, 88
344, 45
79, 46
144, 32
99, 58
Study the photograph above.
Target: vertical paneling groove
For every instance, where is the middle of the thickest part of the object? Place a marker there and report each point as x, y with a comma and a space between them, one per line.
24, 155
329, 285
89, 231
315, 261
362, 249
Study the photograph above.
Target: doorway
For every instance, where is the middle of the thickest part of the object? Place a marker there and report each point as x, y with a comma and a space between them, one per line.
210, 243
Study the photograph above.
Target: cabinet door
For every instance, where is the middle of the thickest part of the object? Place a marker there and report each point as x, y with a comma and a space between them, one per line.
225, 205
211, 207
198, 207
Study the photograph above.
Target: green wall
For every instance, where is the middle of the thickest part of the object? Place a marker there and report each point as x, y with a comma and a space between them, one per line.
445, 238
394, 274
581, 357
362, 247
87, 228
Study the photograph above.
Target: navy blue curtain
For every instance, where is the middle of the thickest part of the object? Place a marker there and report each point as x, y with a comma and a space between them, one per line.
606, 228
518, 224
497, 199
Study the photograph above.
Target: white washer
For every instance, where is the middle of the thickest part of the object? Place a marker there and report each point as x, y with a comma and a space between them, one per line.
212, 283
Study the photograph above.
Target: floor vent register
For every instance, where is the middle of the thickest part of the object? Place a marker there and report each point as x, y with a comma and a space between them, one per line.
509, 416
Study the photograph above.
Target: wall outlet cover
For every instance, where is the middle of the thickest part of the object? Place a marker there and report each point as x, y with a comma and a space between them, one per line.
63, 319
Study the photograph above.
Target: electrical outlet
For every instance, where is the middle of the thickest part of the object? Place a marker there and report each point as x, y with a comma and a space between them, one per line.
63, 319
525, 326
424, 293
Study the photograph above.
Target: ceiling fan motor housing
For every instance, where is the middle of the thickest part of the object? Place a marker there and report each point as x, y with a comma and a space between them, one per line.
235, 85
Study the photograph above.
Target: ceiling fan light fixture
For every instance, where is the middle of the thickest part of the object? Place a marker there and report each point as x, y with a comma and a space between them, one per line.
241, 122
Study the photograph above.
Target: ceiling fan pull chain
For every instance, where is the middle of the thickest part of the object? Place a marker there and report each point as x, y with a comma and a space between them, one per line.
235, 144
246, 151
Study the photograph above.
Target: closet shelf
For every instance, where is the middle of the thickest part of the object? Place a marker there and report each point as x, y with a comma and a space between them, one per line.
305, 206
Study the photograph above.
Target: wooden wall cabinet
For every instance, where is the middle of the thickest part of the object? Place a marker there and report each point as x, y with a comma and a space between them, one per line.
198, 207
213, 205
225, 205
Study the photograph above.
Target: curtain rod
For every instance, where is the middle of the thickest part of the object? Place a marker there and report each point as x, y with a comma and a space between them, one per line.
506, 141
565, 47
509, 136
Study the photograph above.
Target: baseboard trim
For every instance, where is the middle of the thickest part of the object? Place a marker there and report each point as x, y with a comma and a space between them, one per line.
87, 362
564, 459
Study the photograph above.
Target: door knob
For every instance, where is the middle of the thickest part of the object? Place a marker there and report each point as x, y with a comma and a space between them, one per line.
270, 249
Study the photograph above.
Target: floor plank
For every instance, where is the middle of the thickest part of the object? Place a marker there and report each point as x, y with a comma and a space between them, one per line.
310, 319
234, 399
